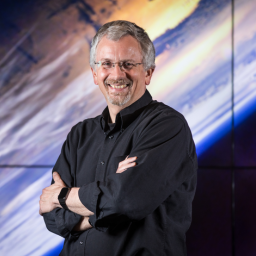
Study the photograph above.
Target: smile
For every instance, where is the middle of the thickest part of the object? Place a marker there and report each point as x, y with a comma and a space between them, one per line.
118, 86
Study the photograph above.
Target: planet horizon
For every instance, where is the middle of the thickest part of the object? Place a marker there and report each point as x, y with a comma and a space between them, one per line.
46, 87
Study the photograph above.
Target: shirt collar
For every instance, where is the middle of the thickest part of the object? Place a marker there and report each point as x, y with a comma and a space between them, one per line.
128, 114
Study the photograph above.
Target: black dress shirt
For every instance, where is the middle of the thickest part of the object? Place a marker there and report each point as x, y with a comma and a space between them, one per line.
145, 210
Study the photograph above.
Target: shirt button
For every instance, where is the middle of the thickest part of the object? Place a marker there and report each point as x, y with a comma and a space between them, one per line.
102, 162
81, 242
111, 136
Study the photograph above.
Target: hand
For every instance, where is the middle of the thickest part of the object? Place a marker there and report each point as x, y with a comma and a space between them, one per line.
125, 164
82, 225
49, 198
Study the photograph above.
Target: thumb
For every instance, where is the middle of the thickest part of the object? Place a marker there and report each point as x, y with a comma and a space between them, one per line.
57, 179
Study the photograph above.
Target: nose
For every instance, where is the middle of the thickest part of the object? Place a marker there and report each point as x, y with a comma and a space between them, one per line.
117, 71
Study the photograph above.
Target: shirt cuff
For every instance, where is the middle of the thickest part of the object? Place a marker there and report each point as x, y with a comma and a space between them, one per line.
66, 221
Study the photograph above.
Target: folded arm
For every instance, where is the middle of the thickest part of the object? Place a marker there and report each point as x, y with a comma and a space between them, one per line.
76, 219
49, 198
58, 220
166, 162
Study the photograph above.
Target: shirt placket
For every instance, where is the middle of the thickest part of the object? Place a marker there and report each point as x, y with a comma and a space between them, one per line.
107, 144
104, 156
81, 243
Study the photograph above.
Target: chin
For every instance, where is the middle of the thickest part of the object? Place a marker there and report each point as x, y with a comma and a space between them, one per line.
119, 100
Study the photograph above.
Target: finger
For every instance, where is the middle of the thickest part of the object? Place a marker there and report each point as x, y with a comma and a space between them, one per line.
48, 190
44, 198
40, 211
57, 179
126, 164
125, 167
128, 160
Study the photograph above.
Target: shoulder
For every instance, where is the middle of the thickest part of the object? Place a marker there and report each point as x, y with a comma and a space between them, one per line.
178, 122
83, 128
168, 124
161, 114
89, 123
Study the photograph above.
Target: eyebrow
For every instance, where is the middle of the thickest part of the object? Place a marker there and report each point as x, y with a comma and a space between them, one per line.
106, 59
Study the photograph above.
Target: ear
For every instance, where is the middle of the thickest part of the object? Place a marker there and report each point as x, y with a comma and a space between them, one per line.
148, 75
95, 77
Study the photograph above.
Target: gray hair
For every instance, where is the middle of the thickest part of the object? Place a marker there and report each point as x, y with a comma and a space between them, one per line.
115, 30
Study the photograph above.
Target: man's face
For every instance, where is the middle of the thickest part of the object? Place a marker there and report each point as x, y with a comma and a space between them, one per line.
121, 87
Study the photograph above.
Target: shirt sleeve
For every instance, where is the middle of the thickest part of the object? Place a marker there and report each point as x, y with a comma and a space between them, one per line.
166, 159
61, 221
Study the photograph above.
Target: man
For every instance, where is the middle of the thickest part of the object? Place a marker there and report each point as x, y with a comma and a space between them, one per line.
131, 170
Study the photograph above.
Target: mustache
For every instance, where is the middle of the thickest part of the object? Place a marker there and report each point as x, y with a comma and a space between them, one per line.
120, 81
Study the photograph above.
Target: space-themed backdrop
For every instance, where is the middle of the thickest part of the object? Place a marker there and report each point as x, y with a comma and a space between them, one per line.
205, 68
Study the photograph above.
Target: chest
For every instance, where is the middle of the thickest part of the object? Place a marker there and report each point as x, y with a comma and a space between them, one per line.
99, 154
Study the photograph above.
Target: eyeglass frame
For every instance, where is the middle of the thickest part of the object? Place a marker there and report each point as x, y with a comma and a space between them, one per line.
120, 64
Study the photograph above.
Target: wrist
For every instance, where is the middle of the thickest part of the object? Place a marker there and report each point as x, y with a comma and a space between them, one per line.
62, 197
84, 224
56, 200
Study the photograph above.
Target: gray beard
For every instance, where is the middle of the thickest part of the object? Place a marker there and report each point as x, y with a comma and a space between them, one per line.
119, 99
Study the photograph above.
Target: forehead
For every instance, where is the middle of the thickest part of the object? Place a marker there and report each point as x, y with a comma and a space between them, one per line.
126, 47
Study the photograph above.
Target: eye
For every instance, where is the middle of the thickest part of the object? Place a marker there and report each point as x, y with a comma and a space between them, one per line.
107, 64
128, 65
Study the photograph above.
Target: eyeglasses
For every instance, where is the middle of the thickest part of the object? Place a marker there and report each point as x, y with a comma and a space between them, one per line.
125, 65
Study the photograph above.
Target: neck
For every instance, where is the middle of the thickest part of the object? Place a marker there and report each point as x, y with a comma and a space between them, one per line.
114, 110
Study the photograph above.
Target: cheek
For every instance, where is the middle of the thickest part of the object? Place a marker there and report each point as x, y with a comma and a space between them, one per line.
101, 77
139, 76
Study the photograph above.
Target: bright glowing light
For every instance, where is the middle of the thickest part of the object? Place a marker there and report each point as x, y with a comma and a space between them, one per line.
155, 16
